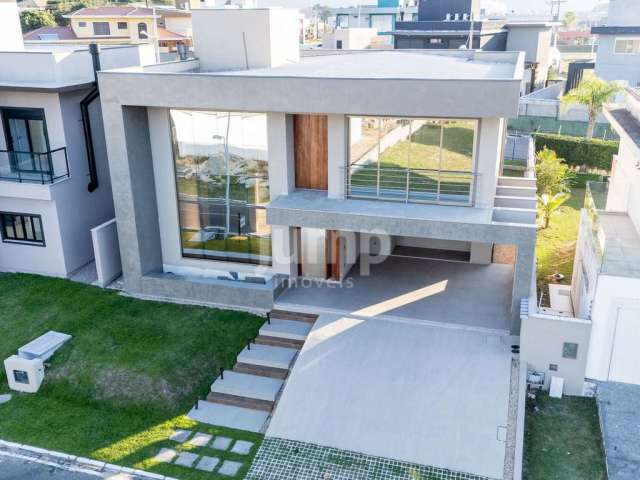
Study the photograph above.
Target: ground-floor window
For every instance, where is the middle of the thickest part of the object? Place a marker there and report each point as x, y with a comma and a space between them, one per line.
22, 228
222, 185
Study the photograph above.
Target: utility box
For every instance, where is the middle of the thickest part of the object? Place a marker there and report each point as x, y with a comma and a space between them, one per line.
24, 374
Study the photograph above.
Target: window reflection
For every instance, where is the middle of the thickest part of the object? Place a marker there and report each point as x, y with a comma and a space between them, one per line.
412, 160
222, 183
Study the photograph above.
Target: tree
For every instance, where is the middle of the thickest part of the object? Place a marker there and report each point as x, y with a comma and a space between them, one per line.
569, 19
32, 19
593, 93
552, 173
547, 204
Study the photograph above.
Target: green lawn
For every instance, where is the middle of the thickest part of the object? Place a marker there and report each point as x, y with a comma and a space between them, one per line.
125, 380
563, 440
556, 245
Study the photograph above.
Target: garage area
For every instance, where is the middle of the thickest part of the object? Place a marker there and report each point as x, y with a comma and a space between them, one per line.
403, 390
423, 279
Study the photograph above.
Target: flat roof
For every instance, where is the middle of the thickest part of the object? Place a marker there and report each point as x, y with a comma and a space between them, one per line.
622, 245
395, 64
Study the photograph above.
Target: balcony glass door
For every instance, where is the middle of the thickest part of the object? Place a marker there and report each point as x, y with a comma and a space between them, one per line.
27, 142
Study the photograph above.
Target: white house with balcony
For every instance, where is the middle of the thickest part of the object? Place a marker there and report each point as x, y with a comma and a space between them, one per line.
54, 177
595, 335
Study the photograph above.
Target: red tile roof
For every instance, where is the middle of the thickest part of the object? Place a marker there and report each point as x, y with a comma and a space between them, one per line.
112, 12
164, 35
63, 33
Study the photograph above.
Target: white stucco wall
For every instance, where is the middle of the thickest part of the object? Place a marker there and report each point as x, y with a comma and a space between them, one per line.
612, 293
232, 39
623, 13
10, 33
624, 185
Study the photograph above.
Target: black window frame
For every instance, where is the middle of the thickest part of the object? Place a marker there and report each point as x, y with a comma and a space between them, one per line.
6, 238
142, 30
123, 25
24, 113
82, 24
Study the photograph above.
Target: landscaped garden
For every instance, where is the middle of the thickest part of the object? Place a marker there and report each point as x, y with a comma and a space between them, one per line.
123, 383
563, 440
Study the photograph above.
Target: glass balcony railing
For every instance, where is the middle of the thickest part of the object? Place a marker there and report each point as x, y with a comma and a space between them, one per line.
410, 185
595, 200
33, 167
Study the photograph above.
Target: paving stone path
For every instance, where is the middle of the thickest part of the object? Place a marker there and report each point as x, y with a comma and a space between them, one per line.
205, 463
280, 459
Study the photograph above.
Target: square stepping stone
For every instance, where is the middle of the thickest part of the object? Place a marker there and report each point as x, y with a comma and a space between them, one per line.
242, 447
165, 455
186, 459
207, 464
221, 443
180, 436
200, 439
229, 468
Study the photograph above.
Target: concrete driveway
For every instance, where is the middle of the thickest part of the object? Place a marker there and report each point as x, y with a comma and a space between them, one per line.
402, 390
477, 296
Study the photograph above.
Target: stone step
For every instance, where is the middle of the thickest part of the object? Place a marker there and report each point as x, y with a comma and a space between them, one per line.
248, 386
515, 202
295, 316
509, 191
243, 402
229, 416
289, 329
267, 356
279, 342
516, 182
260, 370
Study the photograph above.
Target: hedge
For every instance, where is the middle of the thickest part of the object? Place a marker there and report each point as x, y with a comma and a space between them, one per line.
579, 151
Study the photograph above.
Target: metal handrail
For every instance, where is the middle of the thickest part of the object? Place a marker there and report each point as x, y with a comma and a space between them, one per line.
43, 170
398, 184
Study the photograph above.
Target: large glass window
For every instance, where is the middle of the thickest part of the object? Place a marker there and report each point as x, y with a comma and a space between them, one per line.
412, 160
222, 184
21, 228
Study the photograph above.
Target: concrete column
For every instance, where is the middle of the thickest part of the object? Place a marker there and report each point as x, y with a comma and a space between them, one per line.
130, 166
488, 150
281, 164
481, 253
284, 250
523, 272
337, 138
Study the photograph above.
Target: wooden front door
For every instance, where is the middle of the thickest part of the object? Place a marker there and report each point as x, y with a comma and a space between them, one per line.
311, 153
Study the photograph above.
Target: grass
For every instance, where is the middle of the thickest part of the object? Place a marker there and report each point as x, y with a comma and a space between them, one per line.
556, 245
125, 380
563, 440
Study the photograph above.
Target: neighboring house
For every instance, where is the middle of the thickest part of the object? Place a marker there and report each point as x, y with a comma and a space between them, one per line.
597, 335
354, 39
231, 180
382, 17
459, 24
618, 56
574, 37
121, 25
54, 178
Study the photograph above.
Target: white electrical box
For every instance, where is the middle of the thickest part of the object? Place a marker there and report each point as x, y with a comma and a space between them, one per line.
24, 374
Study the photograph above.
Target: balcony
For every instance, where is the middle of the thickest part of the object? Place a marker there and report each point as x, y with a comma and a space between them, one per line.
32, 167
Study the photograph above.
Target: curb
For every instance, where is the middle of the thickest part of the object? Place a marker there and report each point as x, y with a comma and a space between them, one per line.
73, 462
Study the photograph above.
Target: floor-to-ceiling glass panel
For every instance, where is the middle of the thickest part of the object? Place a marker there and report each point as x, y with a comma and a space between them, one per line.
363, 155
457, 160
222, 183
394, 157
424, 160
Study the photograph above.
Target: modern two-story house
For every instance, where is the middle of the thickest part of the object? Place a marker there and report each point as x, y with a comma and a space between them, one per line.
250, 168
54, 177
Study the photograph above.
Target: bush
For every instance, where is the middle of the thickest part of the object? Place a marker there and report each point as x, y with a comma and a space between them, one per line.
32, 19
552, 173
579, 151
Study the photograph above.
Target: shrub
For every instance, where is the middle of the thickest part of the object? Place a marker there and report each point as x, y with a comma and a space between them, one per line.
579, 151
552, 173
32, 19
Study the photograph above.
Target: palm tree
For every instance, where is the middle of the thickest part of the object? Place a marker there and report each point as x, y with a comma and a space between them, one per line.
548, 204
593, 93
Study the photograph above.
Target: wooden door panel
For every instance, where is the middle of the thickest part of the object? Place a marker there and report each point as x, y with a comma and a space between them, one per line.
311, 151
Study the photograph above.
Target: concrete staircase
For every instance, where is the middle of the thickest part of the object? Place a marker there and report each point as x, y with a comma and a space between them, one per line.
245, 396
515, 200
